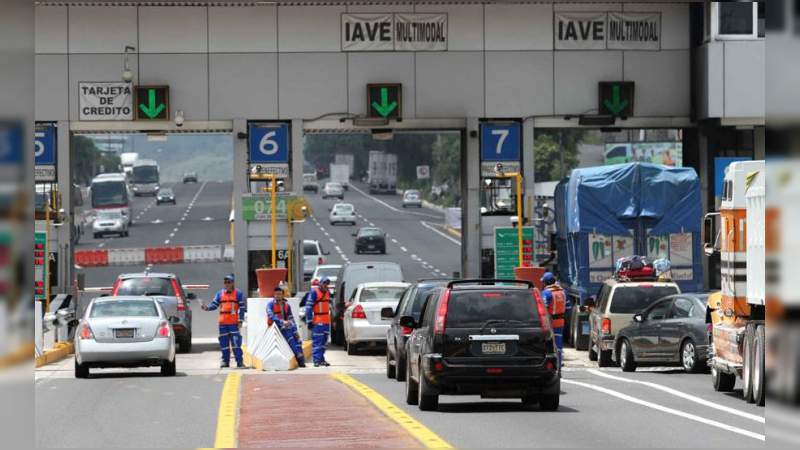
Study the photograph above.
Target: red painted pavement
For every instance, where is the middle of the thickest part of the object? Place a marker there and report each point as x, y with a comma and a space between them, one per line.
312, 411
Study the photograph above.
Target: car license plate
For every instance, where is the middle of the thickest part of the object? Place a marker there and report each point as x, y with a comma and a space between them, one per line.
371, 246
124, 332
493, 348
585, 328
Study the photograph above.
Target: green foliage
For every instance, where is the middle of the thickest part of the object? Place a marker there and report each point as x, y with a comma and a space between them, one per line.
556, 153
89, 160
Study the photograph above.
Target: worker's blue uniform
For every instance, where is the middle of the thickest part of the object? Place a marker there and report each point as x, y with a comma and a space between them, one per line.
559, 320
232, 306
284, 320
318, 314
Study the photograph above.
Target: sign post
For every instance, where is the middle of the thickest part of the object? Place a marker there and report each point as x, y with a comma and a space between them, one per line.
385, 101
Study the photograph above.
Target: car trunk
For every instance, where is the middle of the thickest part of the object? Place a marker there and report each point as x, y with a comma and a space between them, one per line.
373, 312
124, 329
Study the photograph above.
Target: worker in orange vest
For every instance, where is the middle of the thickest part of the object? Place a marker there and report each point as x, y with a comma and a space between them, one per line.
318, 314
279, 312
232, 306
556, 302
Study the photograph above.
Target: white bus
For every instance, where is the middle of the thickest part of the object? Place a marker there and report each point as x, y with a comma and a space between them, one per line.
110, 191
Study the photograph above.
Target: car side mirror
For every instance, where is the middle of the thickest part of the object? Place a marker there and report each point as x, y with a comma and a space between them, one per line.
408, 322
191, 296
387, 313
638, 318
590, 302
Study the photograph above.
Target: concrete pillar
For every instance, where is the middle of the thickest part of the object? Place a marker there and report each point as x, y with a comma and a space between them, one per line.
471, 205
296, 170
705, 170
240, 186
528, 166
759, 143
66, 268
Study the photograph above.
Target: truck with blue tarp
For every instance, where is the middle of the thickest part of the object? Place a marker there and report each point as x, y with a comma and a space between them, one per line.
609, 212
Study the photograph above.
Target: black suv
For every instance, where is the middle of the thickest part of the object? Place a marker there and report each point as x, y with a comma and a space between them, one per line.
410, 305
483, 337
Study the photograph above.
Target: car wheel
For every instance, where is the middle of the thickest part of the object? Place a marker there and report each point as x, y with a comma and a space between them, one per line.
427, 402
604, 358
626, 360
81, 370
723, 382
97, 235
592, 353
351, 347
185, 344
549, 402
127, 233
411, 388
168, 368
404, 206
400, 368
383, 251
391, 369
759, 373
690, 360
747, 366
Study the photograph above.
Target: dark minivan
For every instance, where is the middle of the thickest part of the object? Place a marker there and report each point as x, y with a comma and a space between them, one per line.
483, 337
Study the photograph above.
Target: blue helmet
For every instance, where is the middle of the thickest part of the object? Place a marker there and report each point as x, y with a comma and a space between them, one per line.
325, 280
548, 278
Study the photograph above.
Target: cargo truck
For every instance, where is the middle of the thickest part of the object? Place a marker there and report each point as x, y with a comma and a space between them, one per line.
382, 174
737, 312
346, 159
340, 174
609, 212
127, 160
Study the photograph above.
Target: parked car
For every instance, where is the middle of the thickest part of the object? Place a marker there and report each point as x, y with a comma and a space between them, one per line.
167, 290
350, 276
342, 213
165, 195
327, 270
671, 331
483, 337
333, 190
124, 331
190, 177
614, 308
313, 256
370, 239
364, 323
396, 336
109, 222
310, 182
412, 197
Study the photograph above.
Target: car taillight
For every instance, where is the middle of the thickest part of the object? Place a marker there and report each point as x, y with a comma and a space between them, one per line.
441, 314
116, 287
544, 319
86, 332
606, 326
177, 289
163, 330
494, 371
321, 260
358, 313
406, 331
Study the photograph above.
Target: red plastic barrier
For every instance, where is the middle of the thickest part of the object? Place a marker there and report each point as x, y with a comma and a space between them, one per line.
163, 255
91, 258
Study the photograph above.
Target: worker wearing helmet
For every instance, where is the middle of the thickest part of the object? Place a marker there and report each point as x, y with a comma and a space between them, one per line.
318, 315
232, 307
279, 312
555, 300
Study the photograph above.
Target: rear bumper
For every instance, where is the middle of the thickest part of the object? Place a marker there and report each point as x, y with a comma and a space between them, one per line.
361, 331
514, 380
605, 343
114, 354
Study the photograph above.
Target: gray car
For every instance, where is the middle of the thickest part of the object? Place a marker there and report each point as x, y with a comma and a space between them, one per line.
124, 331
672, 331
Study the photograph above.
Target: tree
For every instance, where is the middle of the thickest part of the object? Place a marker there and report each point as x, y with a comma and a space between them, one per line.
556, 153
88, 160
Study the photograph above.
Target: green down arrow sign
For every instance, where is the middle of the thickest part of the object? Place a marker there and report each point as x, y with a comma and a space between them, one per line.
152, 103
384, 100
152, 109
385, 107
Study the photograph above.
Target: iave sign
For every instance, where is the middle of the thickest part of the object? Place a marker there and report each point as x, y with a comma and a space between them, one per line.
388, 32
506, 250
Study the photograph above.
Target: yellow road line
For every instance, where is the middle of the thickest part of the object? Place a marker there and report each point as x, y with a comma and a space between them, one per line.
228, 412
419, 431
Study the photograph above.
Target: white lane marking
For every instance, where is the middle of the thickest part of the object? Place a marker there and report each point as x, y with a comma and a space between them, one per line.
174, 230
392, 207
371, 224
166, 242
444, 235
332, 240
172, 235
101, 245
668, 410
394, 241
415, 257
682, 395
326, 234
403, 249
338, 249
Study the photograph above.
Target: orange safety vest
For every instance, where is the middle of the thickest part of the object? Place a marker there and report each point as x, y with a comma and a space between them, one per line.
229, 308
557, 306
281, 312
322, 307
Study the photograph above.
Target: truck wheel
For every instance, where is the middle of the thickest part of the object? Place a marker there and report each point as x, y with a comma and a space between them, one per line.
604, 359
723, 382
747, 367
759, 375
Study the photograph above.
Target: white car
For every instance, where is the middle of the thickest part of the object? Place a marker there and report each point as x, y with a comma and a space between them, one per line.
110, 222
124, 331
412, 197
313, 256
342, 213
362, 317
333, 190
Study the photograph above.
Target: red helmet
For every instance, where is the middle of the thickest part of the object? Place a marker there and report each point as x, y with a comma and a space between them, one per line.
315, 282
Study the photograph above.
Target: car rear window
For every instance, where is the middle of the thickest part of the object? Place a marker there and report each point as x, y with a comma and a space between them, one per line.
146, 286
632, 299
381, 294
327, 272
343, 208
310, 249
474, 308
125, 308
370, 232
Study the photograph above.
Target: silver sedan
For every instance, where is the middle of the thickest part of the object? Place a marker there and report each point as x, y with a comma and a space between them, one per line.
362, 317
124, 331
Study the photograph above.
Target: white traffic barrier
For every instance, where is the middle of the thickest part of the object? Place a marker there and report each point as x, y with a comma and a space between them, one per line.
227, 253
256, 320
273, 350
125, 256
202, 253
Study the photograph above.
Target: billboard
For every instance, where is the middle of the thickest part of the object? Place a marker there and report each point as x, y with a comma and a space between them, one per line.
666, 153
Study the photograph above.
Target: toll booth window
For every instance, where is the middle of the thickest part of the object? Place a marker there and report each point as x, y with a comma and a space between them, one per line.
737, 19
498, 197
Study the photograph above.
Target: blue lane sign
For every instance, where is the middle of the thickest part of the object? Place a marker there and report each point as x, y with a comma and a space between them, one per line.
10, 144
500, 141
269, 143
45, 145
